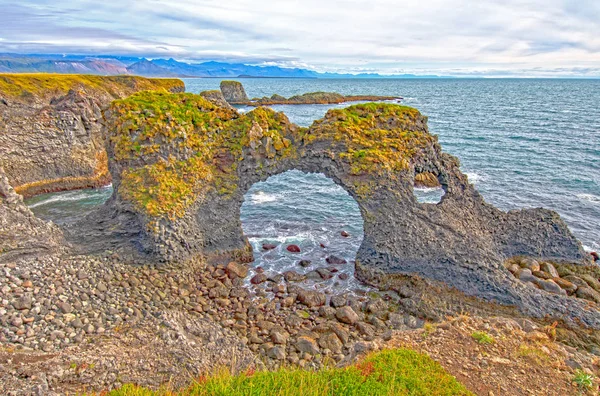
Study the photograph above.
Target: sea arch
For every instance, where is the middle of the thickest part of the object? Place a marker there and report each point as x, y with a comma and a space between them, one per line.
181, 166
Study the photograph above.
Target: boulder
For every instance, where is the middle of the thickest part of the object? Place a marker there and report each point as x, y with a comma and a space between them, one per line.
268, 246
293, 276
588, 293
525, 275
549, 268
233, 92
304, 263
530, 263
338, 301
569, 287
311, 298
236, 270
595, 256
293, 248
332, 342
335, 260
550, 286
345, 234
542, 275
324, 273
258, 279
346, 315
306, 344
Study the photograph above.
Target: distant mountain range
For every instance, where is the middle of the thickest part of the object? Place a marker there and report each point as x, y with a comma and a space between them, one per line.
113, 65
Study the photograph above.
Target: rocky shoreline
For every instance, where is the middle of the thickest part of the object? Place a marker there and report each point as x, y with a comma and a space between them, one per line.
155, 287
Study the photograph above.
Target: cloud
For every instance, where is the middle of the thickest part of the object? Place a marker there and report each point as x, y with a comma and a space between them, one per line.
509, 36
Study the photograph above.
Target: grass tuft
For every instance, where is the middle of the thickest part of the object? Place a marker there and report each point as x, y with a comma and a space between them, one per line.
482, 337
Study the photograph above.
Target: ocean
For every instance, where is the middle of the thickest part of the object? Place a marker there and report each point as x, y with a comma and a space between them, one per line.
523, 142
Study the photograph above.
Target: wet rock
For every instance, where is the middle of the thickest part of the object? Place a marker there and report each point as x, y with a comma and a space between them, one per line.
304, 263
324, 273
595, 256
293, 248
332, 342
322, 245
258, 279
335, 260
549, 268
306, 344
268, 246
344, 234
311, 298
346, 315
343, 276
313, 275
293, 276
236, 270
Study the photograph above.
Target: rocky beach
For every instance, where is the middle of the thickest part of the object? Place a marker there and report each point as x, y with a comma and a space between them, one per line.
157, 287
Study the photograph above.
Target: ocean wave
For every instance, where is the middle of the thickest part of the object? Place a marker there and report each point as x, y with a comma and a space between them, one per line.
61, 198
589, 197
428, 189
474, 177
262, 197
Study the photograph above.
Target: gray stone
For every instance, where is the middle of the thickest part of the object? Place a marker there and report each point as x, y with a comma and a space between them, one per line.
346, 315
276, 352
549, 268
307, 344
332, 342
23, 302
233, 92
311, 298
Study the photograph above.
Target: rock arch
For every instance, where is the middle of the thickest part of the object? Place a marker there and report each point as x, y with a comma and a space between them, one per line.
181, 166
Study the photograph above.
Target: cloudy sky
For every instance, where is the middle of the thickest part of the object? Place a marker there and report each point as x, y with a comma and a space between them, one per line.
458, 37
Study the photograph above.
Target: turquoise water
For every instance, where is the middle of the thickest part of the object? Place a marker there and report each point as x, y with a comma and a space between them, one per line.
524, 143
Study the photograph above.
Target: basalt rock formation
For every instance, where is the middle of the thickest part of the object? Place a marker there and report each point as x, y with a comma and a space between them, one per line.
50, 127
181, 166
21, 233
234, 93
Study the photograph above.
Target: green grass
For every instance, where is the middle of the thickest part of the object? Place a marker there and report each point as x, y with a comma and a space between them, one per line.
390, 372
583, 380
482, 337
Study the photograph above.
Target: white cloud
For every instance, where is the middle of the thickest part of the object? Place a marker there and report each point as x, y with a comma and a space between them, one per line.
518, 36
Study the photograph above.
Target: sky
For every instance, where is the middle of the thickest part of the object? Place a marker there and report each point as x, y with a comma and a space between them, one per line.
526, 38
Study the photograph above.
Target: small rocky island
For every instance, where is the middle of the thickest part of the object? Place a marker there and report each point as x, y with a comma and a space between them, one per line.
153, 288
234, 93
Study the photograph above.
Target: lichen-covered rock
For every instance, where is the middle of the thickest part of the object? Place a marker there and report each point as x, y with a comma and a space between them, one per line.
233, 92
181, 166
50, 128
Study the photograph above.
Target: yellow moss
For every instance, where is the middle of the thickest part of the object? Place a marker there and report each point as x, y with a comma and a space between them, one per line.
47, 85
205, 140
377, 137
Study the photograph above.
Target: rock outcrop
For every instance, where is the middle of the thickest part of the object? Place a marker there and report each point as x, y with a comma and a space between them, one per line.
21, 233
216, 97
233, 92
181, 166
50, 127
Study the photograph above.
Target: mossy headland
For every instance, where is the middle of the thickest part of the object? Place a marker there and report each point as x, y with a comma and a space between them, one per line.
50, 125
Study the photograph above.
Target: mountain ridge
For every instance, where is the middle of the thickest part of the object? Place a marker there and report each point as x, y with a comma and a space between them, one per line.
115, 65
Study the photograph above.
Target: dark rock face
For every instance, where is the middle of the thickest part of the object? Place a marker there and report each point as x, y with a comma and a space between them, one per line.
460, 242
21, 233
50, 139
233, 92
216, 97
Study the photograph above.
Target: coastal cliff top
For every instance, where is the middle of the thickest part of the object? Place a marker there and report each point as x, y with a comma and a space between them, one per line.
45, 86
173, 147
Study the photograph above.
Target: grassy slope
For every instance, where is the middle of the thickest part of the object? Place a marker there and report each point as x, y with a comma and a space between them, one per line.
46, 85
390, 372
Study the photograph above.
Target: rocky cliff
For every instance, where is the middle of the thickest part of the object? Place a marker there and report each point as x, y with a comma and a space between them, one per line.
50, 127
21, 233
181, 166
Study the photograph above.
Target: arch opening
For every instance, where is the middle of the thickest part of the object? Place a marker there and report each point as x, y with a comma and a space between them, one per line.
312, 212
427, 188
